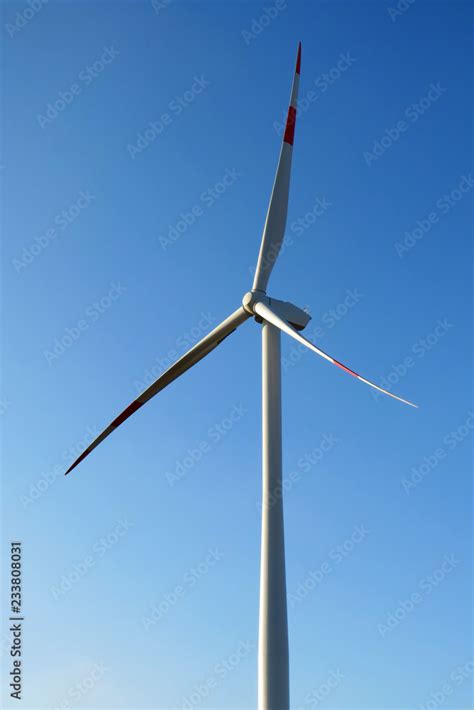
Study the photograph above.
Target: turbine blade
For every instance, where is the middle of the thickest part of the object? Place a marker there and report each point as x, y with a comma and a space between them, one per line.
197, 352
275, 223
267, 314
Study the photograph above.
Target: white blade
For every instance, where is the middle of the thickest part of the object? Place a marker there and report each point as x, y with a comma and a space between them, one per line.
275, 223
197, 352
267, 314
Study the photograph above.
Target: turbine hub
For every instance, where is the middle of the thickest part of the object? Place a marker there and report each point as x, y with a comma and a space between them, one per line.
250, 299
298, 318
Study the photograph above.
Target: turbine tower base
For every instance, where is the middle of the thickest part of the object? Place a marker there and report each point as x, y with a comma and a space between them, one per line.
273, 658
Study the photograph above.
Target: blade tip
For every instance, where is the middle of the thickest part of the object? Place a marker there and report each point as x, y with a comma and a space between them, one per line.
298, 59
71, 467
410, 404
78, 460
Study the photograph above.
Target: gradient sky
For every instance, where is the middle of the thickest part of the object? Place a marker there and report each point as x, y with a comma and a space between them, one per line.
141, 569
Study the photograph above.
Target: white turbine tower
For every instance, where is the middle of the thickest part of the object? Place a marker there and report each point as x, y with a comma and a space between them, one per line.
275, 316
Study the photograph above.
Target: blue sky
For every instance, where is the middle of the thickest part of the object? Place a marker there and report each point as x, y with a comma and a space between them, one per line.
138, 152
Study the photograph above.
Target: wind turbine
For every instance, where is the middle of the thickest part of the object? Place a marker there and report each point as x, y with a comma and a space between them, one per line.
276, 317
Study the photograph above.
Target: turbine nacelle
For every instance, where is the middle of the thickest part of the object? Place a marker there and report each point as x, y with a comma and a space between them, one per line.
290, 313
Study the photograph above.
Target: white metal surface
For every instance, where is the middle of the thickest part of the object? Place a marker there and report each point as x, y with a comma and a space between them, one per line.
290, 313
275, 223
273, 660
266, 312
196, 353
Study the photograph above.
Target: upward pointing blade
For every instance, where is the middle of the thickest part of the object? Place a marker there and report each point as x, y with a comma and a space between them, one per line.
269, 315
197, 352
275, 223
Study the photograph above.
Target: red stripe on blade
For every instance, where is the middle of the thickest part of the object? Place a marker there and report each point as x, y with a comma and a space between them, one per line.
343, 367
298, 60
126, 413
289, 136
